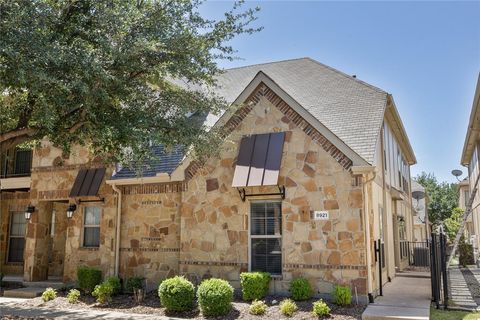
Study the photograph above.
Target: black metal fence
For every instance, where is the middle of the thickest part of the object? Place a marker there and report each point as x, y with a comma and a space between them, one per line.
438, 269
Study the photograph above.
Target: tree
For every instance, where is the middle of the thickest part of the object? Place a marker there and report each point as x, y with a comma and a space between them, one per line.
452, 223
443, 197
97, 72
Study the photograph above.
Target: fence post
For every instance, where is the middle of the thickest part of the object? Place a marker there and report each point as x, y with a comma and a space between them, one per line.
435, 286
443, 251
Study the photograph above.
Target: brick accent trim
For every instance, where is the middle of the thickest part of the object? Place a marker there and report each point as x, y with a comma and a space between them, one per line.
68, 167
14, 195
150, 249
322, 266
154, 188
214, 263
291, 115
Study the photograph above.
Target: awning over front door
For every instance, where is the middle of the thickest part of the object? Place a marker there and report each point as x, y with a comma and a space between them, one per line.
88, 182
259, 159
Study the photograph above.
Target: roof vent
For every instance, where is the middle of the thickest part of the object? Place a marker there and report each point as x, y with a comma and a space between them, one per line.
354, 76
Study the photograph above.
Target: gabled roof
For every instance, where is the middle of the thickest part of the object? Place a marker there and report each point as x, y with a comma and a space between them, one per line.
351, 109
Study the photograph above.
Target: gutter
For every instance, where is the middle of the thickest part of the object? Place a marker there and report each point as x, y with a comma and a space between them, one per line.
364, 171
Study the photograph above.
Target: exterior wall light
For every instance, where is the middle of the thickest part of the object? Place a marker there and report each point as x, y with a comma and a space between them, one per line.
71, 209
28, 212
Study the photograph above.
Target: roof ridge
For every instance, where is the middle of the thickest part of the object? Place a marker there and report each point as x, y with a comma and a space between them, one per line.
348, 76
266, 63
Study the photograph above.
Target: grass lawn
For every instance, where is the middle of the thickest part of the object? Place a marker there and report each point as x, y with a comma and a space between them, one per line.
436, 314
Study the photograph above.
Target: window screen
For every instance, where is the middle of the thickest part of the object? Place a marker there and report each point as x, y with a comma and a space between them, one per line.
16, 242
91, 227
266, 237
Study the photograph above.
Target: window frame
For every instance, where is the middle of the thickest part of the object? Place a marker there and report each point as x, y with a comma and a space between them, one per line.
10, 236
256, 236
84, 226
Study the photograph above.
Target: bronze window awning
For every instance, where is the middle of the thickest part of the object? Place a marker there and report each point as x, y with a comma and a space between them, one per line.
88, 182
259, 159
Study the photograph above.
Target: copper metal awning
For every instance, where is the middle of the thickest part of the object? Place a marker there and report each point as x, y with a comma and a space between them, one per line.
88, 182
259, 159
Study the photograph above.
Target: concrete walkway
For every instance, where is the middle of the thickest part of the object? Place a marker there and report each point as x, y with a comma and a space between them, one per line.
11, 307
460, 294
406, 297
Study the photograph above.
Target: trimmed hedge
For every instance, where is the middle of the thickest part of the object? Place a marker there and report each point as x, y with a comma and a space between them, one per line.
177, 294
254, 285
300, 289
465, 252
116, 284
88, 278
134, 283
215, 297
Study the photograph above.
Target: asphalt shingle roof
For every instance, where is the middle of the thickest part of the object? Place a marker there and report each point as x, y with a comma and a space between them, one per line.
351, 109
162, 161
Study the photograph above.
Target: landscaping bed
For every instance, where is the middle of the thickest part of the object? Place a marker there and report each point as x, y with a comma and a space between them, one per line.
151, 305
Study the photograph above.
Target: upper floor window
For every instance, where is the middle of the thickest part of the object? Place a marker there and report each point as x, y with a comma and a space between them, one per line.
16, 163
91, 227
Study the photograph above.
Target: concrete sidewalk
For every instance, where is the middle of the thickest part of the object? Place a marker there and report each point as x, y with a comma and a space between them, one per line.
11, 307
406, 297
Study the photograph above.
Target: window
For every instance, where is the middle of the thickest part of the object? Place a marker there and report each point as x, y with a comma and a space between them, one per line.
91, 227
266, 237
16, 241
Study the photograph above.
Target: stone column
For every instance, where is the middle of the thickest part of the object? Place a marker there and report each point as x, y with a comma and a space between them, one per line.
36, 243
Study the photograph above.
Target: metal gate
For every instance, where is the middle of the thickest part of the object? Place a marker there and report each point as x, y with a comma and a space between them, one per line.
438, 269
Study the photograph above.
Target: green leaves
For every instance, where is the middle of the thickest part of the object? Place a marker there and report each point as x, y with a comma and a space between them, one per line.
443, 197
100, 72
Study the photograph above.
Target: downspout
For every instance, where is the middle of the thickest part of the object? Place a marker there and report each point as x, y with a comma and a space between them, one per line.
117, 228
366, 223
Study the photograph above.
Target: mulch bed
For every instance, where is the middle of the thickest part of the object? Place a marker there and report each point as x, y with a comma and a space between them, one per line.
151, 305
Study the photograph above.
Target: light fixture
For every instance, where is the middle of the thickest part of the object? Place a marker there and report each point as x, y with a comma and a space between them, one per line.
71, 209
28, 212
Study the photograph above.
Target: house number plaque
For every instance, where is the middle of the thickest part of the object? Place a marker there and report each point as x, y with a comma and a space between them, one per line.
320, 215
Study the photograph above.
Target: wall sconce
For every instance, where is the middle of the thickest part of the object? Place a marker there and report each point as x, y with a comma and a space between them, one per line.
71, 209
28, 212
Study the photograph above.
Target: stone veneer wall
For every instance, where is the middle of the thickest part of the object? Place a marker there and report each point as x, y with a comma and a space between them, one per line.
214, 220
150, 233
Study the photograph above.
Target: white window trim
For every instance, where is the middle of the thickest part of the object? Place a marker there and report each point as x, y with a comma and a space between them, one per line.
250, 236
90, 226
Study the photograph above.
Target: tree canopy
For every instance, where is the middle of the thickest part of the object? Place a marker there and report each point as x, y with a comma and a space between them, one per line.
443, 197
96, 72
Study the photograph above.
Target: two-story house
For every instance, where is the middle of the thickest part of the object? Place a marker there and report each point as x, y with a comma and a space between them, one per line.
313, 176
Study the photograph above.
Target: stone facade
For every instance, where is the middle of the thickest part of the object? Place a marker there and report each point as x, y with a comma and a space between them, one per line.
199, 226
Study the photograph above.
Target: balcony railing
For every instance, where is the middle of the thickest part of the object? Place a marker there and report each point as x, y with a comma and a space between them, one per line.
16, 163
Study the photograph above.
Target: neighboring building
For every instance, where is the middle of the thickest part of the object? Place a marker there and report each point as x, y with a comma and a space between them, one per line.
463, 197
315, 170
421, 225
470, 159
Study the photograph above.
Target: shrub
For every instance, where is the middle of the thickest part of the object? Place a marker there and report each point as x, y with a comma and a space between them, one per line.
88, 278
342, 296
177, 294
465, 251
258, 307
103, 292
116, 284
300, 289
73, 296
254, 285
134, 283
320, 308
215, 297
49, 294
288, 307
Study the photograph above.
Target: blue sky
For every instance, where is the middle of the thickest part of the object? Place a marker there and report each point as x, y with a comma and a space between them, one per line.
427, 54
